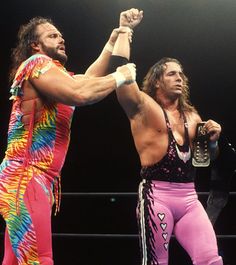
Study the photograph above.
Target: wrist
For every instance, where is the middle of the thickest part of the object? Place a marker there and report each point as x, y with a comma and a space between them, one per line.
125, 29
109, 47
213, 144
119, 78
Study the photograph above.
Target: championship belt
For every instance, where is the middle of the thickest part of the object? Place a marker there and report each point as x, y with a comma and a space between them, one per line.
201, 153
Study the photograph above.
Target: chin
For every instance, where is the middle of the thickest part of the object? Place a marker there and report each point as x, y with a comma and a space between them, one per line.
178, 92
62, 58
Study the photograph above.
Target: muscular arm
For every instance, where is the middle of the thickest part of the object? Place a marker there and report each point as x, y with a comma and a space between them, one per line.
131, 99
129, 96
59, 86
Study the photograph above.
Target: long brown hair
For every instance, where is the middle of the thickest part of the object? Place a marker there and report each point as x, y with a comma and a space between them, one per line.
155, 73
27, 34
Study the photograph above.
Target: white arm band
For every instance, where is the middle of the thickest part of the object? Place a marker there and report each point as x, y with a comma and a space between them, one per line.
120, 78
108, 47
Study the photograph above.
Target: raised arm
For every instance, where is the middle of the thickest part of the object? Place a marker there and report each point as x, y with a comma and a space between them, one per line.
100, 65
128, 20
129, 96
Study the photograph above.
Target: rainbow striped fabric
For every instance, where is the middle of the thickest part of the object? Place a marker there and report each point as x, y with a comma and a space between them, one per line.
35, 150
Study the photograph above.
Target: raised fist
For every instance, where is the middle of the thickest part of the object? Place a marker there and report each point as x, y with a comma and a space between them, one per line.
130, 18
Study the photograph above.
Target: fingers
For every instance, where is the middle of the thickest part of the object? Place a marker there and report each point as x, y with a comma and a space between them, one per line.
213, 129
212, 125
131, 17
134, 14
125, 74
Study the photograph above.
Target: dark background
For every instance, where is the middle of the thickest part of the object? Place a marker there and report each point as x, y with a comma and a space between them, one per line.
102, 158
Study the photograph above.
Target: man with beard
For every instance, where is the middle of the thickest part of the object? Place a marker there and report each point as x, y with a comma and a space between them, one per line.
44, 95
164, 124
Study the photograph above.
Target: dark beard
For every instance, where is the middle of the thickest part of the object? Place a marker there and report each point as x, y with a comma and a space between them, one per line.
53, 53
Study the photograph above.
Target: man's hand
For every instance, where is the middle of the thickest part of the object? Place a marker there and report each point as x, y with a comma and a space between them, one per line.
213, 129
130, 18
128, 71
125, 74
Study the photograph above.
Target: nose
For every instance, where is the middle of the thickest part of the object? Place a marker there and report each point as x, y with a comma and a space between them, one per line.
179, 77
62, 40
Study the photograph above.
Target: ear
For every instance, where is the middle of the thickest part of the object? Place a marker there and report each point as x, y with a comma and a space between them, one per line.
35, 46
157, 83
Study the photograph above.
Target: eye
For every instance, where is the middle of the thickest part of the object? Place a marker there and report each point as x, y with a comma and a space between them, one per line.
171, 73
54, 36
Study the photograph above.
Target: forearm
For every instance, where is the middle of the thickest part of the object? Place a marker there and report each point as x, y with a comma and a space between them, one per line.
95, 89
79, 91
100, 66
89, 91
92, 90
122, 45
129, 96
119, 46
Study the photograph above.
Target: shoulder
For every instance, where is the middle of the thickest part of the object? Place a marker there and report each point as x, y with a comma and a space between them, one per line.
32, 67
28, 65
193, 116
31, 62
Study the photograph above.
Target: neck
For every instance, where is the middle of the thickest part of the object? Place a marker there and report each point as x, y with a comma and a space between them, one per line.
168, 103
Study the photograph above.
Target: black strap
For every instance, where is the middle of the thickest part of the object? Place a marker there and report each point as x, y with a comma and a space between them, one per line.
116, 61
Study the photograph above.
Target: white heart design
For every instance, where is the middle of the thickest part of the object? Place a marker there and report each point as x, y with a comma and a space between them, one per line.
166, 246
161, 216
163, 226
164, 235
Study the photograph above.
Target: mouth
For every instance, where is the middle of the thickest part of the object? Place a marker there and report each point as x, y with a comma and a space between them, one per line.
179, 86
62, 48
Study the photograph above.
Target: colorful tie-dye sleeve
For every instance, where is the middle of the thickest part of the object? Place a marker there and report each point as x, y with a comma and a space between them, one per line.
33, 66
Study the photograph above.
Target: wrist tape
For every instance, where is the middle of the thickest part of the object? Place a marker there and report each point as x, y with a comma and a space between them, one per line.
109, 47
120, 78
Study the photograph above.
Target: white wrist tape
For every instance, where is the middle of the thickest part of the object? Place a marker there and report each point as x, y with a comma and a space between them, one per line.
132, 68
108, 47
120, 78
